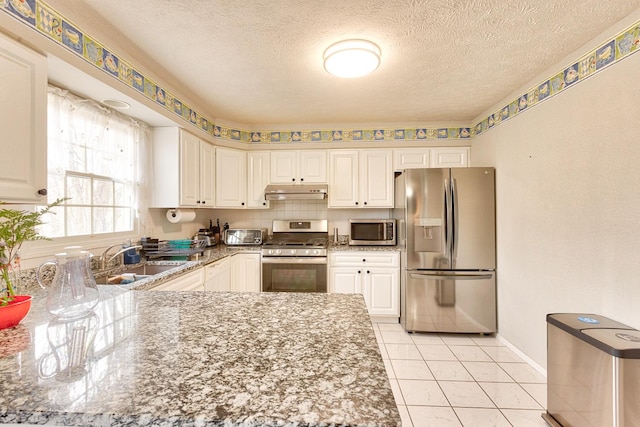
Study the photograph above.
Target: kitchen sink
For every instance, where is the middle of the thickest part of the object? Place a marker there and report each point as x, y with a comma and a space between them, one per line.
150, 269
135, 274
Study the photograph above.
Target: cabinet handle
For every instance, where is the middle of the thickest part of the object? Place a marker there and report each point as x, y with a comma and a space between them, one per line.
242, 203
293, 179
42, 191
368, 272
301, 179
364, 260
264, 203
365, 203
356, 203
359, 271
204, 201
198, 202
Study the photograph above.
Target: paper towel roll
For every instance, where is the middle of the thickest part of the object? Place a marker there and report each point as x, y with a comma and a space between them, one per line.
176, 216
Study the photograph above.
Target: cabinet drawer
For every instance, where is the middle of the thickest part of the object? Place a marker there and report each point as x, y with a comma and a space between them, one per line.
189, 281
377, 259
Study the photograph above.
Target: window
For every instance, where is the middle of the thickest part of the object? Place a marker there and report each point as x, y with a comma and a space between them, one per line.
93, 163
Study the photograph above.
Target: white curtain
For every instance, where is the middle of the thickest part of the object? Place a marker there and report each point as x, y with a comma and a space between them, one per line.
89, 138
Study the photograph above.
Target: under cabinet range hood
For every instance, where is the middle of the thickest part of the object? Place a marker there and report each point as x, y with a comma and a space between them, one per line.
296, 192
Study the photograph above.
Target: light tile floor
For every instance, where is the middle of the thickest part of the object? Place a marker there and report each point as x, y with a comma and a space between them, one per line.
442, 380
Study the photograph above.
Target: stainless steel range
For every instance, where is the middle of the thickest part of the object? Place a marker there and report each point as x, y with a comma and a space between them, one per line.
295, 259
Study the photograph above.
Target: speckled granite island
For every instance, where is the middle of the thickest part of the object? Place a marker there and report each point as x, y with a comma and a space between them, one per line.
198, 359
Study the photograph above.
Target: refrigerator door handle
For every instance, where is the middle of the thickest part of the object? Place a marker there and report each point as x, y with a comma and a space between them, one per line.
454, 222
452, 276
447, 221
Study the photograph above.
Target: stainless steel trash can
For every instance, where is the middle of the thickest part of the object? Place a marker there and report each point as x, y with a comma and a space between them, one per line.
593, 372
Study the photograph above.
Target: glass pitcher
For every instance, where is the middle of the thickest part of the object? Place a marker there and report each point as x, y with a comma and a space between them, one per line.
73, 291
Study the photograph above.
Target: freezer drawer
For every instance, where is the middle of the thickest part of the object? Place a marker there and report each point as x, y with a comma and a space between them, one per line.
448, 301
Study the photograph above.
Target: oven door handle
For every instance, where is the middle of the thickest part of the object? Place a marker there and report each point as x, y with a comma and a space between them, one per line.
294, 260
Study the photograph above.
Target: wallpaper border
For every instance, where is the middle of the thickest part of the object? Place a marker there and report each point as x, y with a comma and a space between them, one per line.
48, 22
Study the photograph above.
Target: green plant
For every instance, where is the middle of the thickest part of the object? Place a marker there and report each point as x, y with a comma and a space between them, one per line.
17, 227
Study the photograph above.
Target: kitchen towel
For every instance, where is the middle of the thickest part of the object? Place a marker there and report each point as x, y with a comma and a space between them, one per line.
177, 216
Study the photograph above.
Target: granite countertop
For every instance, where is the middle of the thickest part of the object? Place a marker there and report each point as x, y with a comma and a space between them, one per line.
214, 254
346, 248
198, 358
210, 255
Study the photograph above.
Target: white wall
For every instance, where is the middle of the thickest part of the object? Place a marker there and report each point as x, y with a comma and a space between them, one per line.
568, 206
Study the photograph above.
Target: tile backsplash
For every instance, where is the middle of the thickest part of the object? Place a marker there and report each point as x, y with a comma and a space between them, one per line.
290, 209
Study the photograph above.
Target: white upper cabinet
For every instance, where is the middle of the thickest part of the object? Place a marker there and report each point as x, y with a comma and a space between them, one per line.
241, 178
411, 158
183, 168
258, 167
298, 166
450, 157
207, 174
231, 178
376, 178
344, 181
438, 157
360, 179
23, 120
189, 170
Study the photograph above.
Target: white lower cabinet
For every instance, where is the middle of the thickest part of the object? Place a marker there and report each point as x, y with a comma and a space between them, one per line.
193, 281
246, 273
375, 275
217, 276
241, 272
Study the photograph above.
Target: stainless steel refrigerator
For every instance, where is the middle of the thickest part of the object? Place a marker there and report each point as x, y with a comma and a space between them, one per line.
446, 219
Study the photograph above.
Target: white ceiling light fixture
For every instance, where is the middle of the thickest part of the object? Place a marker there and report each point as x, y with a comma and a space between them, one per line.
351, 58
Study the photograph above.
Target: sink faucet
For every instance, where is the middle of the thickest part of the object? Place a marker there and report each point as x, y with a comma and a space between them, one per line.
103, 261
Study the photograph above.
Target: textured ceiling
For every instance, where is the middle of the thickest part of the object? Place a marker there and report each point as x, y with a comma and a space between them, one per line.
259, 62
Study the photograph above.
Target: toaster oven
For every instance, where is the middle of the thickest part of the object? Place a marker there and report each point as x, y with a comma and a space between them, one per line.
245, 236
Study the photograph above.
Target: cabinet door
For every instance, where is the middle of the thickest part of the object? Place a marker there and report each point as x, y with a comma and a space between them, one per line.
258, 169
207, 174
451, 157
343, 179
376, 179
245, 273
284, 167
345, 280
23, 120
313, 166
382, 291
411, 158
189, 170
231, 178
218, 276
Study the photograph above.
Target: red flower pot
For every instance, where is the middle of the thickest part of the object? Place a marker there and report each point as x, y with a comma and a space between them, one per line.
15, 311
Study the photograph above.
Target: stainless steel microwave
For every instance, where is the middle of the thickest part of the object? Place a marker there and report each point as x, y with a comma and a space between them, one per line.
372, 232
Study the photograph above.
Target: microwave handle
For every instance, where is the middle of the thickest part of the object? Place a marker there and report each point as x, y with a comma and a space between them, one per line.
384, 233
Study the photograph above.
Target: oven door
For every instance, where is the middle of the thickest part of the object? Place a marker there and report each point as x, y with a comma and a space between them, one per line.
293, 274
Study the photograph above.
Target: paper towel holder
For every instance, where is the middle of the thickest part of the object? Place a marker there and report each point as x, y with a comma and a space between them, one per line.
177, 215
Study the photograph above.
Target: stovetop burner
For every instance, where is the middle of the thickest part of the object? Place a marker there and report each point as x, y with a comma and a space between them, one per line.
297, 238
